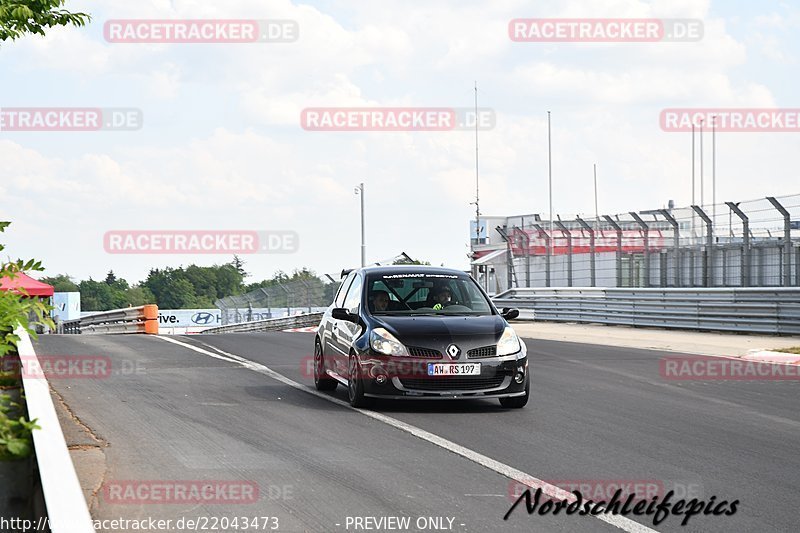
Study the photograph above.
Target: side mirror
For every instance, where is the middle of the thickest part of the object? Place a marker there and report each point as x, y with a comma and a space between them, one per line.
340, 313
509, 313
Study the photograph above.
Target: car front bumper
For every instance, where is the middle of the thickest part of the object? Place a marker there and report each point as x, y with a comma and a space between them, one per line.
408, 379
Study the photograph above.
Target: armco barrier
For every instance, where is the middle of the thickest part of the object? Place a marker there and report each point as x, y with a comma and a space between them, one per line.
142, 319
747, 310
270, 324
63, 497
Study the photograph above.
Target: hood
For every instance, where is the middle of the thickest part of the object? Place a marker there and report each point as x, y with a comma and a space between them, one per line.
439, 331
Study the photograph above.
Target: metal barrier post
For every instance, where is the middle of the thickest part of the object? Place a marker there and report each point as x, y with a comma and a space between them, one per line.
707, 254
646, 237
619, 247
667, 215
787, 240
745, 242
588, 228
566, 232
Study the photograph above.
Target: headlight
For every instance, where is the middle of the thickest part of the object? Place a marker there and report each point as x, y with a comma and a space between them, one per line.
384, 342
508, 343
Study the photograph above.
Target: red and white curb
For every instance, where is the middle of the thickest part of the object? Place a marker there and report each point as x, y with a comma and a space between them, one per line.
309, 329
768, 356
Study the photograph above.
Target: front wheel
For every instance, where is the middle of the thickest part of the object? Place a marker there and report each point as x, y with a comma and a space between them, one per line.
517, 402
322, 381
355, 387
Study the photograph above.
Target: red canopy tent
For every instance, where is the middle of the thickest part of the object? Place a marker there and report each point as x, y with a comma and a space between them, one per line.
30, 285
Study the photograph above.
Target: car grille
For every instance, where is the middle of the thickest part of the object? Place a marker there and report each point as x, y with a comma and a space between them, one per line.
485, 351
454, 383
415, 351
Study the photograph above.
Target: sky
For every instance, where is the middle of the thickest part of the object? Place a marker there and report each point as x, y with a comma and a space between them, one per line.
222, 147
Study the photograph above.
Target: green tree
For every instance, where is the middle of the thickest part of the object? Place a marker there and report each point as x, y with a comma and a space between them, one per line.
204, 281
229, 281
117, 283
139, 295
61, 283
22, 17
238, 264
178, 293
99, 296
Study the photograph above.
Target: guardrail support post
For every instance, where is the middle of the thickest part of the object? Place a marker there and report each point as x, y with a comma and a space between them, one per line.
745, 242
787, 240
588, 228
567, 233
707, 253
676, 228
646, 237
618, 229
548, 245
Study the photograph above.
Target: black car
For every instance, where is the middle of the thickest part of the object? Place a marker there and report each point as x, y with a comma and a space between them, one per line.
419, 332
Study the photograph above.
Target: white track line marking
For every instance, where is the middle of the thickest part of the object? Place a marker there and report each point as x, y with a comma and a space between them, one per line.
553, 491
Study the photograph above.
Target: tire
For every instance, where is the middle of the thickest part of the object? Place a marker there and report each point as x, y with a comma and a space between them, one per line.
322, 381
517, 402
355, 387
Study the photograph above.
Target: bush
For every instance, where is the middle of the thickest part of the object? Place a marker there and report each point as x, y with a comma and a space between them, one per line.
16, 310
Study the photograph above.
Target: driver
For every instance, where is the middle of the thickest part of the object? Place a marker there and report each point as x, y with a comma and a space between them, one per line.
442, 297
380, 300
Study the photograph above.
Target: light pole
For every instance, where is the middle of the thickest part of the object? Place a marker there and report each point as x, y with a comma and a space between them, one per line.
360, 192
713, 172
550, 175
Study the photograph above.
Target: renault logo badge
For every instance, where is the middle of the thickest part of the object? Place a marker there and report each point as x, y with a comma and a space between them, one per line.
453, 351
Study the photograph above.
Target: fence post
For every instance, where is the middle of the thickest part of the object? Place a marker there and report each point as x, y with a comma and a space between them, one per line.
588, 228
266, 294
646, 236
566, 232
547, 241
288, 306
677, 230
707, 254
618, 229
745, 242
525, 244
787, 240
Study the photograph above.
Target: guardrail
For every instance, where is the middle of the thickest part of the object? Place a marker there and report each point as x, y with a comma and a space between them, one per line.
63, 497
747, 310
142, 319
269, 324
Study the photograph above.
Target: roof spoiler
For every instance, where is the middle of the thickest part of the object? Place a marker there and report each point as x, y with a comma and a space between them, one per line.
346, 271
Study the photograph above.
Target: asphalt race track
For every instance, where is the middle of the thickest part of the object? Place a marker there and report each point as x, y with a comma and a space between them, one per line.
598, 415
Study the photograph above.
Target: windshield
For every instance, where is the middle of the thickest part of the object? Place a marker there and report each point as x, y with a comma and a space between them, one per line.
416, 294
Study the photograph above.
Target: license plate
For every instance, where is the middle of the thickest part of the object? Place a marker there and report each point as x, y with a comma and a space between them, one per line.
454, 369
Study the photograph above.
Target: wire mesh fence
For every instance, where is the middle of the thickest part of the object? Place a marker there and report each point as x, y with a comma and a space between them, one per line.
744, 244
277, 299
